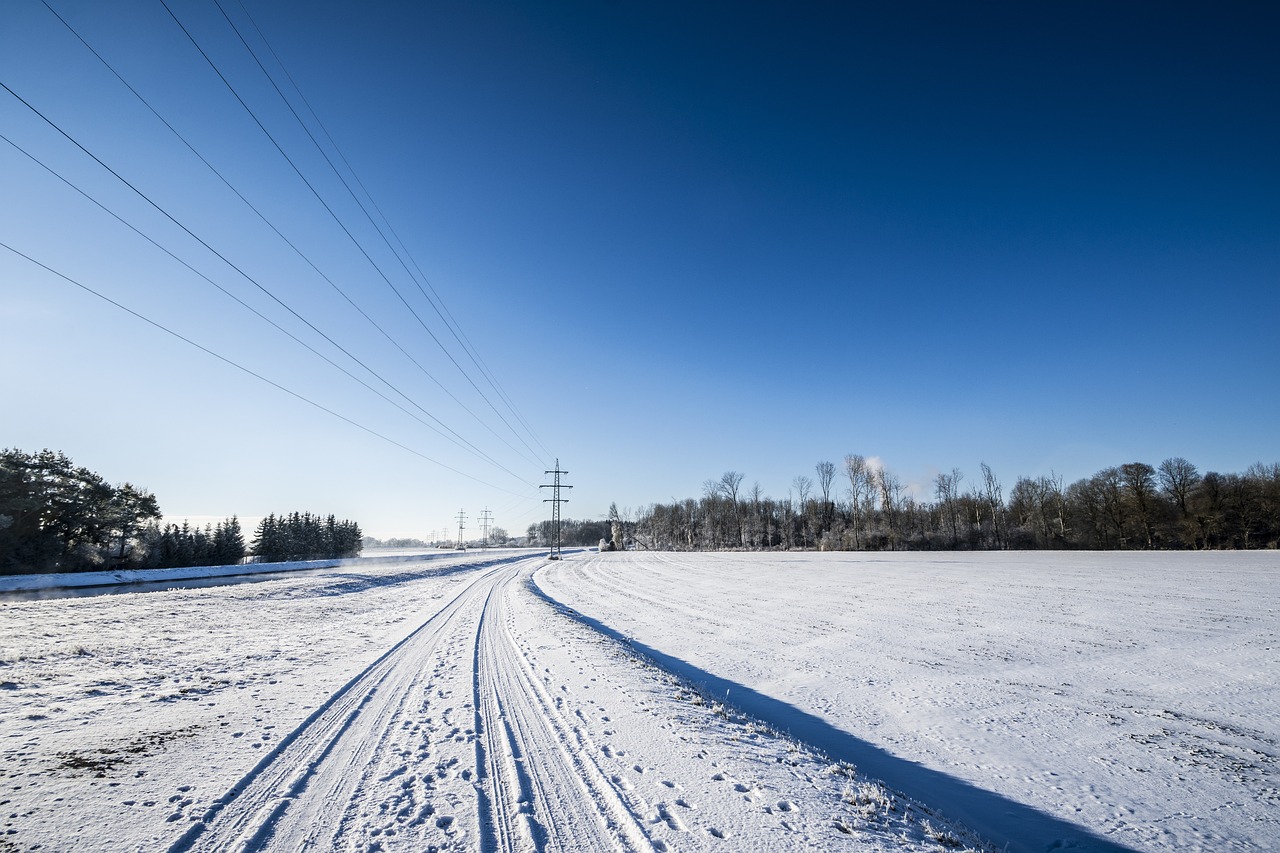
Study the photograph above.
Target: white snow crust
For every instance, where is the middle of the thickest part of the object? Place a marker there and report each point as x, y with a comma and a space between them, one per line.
77, 580
442, 705
1101, 701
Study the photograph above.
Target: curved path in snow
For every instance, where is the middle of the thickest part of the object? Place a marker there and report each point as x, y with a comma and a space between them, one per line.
460, 696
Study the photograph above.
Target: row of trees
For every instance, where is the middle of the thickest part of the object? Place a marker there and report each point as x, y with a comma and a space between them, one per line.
177, 546
572, 532
56, 516
303, 536
1130, 506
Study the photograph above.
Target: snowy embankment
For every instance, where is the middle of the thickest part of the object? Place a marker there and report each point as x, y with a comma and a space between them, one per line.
442, 705
75, 580
1090, 701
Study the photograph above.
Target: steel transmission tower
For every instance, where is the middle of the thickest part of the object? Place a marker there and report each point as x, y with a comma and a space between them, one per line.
486, 520
555, 500
462, 524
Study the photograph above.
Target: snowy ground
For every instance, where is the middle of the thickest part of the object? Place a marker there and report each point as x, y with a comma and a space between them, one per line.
441, 705
1069, 700
147, 579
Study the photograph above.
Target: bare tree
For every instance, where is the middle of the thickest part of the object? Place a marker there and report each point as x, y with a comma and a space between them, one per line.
890, 497
730, 481
860, 487
994, 497
756, 524
826, 474
1111, 487
946, 488
1177, 478
1140, 485
803, 485
1267, 478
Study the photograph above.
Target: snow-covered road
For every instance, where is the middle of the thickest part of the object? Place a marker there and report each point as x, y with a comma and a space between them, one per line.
441, 706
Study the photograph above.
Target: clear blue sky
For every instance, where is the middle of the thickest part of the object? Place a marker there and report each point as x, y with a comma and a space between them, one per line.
684, 241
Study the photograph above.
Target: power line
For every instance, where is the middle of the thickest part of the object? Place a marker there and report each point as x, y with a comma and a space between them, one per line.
451, 323
328, 208
287, 242
459, 441
247, 370
354, 197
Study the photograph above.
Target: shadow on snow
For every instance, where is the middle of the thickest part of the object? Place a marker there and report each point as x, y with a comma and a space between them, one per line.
1010, 825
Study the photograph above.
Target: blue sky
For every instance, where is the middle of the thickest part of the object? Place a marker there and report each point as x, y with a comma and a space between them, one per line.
684, 241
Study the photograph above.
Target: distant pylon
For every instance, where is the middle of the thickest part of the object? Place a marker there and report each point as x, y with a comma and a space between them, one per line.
555, 500
462, 524
486, 518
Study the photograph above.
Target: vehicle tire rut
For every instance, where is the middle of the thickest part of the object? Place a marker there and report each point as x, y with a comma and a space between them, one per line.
385, 762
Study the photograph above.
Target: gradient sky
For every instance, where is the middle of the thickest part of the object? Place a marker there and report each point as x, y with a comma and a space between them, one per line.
685, 240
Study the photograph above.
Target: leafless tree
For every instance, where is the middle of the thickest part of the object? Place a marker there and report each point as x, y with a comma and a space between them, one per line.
1111, 487
756, 526
992, 493
826, 474
803, 486
1140, 486
855, 466
1177, 478
730, 481
946, 488
891, 489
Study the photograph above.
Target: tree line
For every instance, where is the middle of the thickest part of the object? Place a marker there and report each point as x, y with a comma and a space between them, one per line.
56, 516
573, 532
865, 507
303, 536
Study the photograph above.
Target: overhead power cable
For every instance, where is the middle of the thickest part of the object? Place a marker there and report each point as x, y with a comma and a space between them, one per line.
458, 440
291, 245
438, 303
335, 216
249, 371
286, 240
222, 257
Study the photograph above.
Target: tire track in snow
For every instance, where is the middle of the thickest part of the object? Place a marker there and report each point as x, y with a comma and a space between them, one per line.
301, 791
375, 767
544, 778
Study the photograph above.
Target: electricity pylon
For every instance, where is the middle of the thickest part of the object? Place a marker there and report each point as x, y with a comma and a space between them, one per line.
555, 500
486, 519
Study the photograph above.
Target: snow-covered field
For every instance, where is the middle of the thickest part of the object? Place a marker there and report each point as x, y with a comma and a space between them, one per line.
442, 705
1037, 697
1103, 702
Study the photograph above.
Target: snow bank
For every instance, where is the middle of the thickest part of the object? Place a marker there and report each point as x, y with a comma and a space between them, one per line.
76, 580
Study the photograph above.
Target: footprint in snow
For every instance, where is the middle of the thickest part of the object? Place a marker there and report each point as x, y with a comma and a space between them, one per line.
671, 818
622, 782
